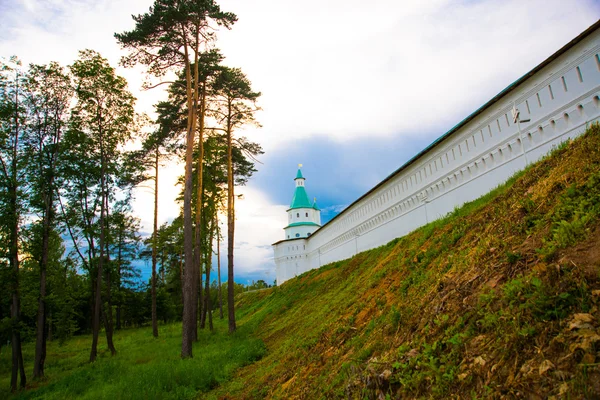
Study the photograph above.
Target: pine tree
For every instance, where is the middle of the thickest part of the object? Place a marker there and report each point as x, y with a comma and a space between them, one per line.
172, 35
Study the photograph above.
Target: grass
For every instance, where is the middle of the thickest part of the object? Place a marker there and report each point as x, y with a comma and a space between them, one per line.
499, 299
144, 367
480, 303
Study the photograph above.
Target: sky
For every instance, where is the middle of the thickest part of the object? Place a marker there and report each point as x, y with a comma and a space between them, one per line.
350, 89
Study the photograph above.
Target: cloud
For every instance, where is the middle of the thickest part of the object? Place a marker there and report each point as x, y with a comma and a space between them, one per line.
336, 208
347, 69
351, 89
40, 31
258, 224
336, 172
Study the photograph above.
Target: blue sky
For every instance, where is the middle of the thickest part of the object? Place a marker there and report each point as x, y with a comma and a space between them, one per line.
337, 172
351, 89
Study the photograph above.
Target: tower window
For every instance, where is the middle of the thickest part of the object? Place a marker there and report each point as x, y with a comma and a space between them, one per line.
297, 235
307, 214
297, 215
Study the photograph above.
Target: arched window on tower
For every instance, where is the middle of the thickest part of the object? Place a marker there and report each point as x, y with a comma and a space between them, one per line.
297, 215
306, 215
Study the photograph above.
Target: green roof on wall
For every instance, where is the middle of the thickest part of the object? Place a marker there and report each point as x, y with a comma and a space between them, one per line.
302, 224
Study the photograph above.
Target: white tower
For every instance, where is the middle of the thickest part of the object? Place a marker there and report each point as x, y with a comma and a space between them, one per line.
303, 217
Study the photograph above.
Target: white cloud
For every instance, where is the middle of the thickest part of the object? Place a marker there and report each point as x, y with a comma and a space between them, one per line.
348, 68
336, 208
258, 224
344, 69
168, 208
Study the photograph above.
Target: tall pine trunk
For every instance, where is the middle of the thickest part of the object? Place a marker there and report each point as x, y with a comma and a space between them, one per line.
230, 227
198, 221
208, 302
219, 266
206, 291
190, 279
154, 244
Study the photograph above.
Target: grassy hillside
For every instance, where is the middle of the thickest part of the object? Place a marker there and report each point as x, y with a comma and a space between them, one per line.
498, 299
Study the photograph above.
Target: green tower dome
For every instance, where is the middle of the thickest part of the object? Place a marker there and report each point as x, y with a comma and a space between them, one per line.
300, 199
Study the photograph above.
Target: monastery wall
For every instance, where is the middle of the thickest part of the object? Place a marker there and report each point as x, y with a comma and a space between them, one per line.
556, 102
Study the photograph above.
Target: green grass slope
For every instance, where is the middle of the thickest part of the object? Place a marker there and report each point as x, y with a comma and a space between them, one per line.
144, 367
498, 300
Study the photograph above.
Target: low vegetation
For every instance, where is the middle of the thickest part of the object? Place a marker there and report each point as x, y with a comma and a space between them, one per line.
150, 368
500, 298
497, 300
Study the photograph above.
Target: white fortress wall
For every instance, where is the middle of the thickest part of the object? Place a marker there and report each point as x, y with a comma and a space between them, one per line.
560, 100
290, 259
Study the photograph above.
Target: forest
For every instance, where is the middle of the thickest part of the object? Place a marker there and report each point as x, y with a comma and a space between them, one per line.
72, 150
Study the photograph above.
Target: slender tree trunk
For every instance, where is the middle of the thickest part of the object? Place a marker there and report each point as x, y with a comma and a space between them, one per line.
93, 277
203, 299
189, 277
188, 273
42, 326
97, 302
17, 355
108, 324
98, 297
197, 273
198, 221
230, 229
181, 279
93, 272
49, 322
40, 344
208, 305
219, 266
206, 300
119, 261
201, 305
210, 320
154, 244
